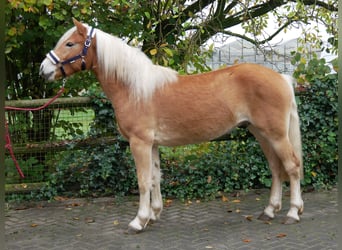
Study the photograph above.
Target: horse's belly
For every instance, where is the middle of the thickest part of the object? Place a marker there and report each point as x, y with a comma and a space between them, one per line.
190, 133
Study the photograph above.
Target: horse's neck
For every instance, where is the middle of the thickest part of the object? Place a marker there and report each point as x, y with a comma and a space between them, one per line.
116, 91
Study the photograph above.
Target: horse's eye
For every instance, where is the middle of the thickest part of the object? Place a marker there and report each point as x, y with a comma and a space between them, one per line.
69, 44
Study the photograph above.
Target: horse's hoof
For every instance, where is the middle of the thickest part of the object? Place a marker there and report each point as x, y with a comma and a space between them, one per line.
132, 231
264, 217
290, 221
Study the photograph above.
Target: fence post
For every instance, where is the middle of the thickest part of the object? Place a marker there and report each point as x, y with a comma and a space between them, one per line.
2, 127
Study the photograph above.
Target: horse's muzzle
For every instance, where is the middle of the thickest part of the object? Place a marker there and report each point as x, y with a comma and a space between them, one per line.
47, 70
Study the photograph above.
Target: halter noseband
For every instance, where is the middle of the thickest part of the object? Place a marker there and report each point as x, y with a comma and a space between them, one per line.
55, 59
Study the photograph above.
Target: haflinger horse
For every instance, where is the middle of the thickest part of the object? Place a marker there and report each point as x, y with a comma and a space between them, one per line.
155, 106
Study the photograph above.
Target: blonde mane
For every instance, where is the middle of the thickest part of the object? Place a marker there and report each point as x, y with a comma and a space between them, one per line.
131, 66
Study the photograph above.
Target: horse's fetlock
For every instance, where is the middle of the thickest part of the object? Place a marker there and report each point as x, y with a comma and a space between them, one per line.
277, 207
157, 211
269, 211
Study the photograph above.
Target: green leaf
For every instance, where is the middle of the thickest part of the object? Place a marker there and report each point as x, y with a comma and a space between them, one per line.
147, 14
168, 51
44, 22
12, 31
297, 57
44, 2
76, 12
8, 49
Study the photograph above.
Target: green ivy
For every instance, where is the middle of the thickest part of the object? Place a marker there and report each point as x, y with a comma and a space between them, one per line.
100, 170
97, 171
216, 166
318, 112
307, 71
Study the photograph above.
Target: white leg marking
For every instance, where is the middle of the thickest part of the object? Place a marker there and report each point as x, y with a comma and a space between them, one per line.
142, 154
297, 204
156, 197
292, 166
275, 197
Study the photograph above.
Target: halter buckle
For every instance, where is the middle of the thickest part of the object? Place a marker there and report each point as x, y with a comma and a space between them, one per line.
87, 42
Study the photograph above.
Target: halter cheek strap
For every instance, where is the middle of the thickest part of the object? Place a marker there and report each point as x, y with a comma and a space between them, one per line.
55, 59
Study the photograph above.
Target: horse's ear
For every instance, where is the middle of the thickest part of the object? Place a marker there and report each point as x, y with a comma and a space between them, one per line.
80, 27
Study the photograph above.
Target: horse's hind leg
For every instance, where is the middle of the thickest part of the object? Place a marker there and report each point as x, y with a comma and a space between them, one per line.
275, 201
292, 166
156, 197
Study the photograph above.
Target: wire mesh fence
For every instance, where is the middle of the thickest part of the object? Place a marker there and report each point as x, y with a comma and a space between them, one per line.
277, 57
38, 138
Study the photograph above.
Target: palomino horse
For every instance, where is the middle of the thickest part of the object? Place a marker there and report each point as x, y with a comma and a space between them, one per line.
156, 106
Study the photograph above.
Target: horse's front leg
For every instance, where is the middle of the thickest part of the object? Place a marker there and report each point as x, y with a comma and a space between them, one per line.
142, 154
156, 199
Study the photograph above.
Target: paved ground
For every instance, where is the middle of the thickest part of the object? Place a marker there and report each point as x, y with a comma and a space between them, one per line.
101, 223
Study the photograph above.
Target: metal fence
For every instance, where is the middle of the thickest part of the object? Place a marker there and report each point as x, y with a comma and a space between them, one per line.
277, 57
38, 138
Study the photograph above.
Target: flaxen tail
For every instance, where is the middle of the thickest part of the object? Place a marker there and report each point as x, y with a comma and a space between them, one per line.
294, 127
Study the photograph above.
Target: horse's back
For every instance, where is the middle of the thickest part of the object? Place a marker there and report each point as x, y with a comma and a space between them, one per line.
206, 106
244, 84
255, 75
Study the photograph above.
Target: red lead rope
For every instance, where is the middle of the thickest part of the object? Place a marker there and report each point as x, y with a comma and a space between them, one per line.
38, 108
7, 135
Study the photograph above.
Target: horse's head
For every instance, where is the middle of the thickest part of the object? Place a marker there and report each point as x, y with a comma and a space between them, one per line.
71, 54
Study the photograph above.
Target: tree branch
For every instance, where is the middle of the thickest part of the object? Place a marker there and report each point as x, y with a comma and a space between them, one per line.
255, 42
220, 19
322, 4
231, 6
212, 28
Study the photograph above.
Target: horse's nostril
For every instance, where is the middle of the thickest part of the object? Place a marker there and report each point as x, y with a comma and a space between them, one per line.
47, 75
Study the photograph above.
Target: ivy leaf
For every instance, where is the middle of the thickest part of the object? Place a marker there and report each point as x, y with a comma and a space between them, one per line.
168, 51
12, 31
76, 12
44, 22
